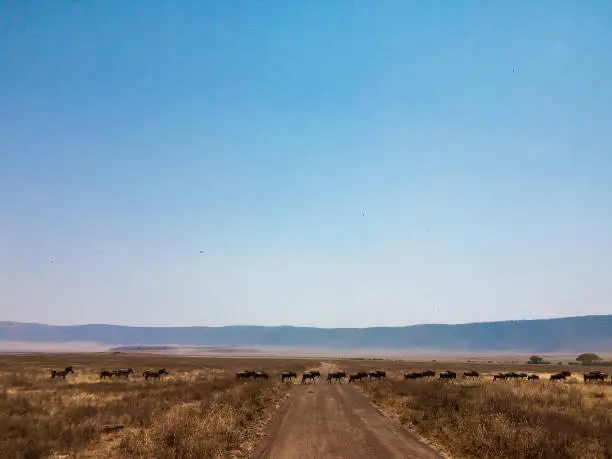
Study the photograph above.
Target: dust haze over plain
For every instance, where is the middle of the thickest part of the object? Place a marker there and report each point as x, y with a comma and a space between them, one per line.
320, 165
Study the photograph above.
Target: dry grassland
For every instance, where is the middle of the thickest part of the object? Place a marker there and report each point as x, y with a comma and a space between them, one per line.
479, 418
198, 411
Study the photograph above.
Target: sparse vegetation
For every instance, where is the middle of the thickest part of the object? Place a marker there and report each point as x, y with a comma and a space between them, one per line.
588, 358
514, 419
537, 360
201, 410
198, 411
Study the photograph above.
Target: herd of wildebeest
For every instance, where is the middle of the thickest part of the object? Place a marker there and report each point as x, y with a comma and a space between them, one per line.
332, 376
590, 376
121, 372
312, 375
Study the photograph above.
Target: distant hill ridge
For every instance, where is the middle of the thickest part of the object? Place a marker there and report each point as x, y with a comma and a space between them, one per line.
584, 333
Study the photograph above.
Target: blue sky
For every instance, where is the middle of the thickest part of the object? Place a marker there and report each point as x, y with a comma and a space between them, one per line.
338, 163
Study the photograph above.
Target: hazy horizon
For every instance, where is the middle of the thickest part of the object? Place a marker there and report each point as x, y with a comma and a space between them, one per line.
290, 325
320, 164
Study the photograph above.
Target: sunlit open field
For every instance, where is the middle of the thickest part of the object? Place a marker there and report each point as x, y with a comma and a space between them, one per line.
482, 418
200, 409
197, 410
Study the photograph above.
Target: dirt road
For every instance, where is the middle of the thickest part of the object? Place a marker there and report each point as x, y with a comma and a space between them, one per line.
335, 421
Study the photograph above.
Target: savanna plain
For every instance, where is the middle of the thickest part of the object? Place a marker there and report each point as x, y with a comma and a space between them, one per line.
201, 410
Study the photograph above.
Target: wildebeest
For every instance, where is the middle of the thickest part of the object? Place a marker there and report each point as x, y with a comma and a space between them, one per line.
533, 377
427, 373
471, 374
154, 374
377, 374
560, 376
594, 376
448, 374
61, 373
335, 375
260, 375
509, 375
107, 374
310, 375
414, 375
124, 372
288, 375
245, 374
357, 376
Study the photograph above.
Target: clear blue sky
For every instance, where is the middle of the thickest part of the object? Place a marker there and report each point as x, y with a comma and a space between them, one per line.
475, 136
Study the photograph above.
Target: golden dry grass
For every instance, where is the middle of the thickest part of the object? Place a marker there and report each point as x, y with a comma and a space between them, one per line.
201, 411
504, 419
198, 411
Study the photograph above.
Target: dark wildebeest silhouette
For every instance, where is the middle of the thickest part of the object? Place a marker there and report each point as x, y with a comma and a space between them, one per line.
559, 376
594, 376
509, 375
377, 374
260, 375
107, 374
471, 374
307, 375
124, 372
428, 373
288, 375
310, 375
357, 376
448, 374
154, 374
61, 373
245, 374
533, 377
414, 375
335, 375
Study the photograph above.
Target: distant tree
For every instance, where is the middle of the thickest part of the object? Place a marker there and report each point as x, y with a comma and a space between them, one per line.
535, 359
588, 358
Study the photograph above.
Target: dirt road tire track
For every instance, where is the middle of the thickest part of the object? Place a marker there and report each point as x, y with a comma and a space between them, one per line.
335, 421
